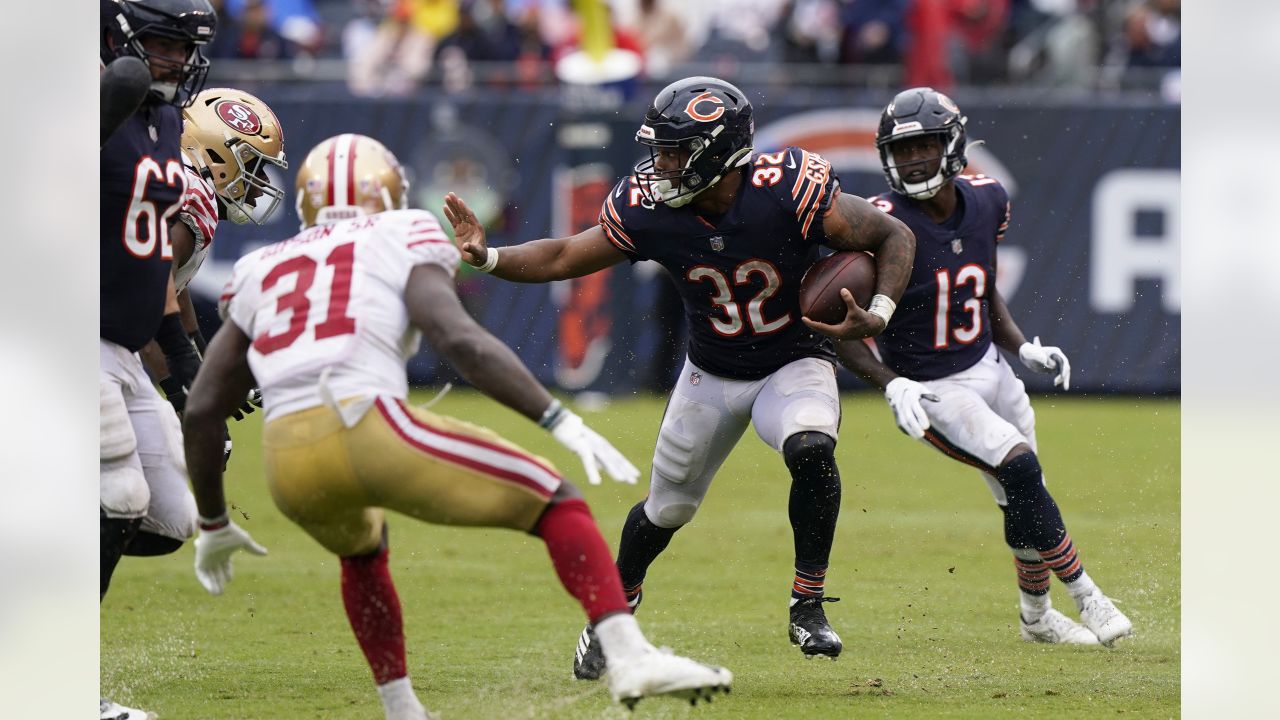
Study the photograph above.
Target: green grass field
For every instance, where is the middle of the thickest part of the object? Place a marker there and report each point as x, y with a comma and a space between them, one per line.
928, 616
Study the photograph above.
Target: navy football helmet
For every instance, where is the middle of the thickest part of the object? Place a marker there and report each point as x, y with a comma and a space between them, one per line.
916, 112
709, 118
125, 22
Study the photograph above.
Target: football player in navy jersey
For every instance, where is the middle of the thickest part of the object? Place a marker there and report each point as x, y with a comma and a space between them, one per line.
737, 230
145, 504
941, 346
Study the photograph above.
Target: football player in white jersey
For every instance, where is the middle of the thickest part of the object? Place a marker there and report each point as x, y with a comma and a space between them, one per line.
229, 138
325, 322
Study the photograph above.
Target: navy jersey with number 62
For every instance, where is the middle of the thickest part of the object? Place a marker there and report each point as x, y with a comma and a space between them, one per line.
943, 321
141, 186
738, 275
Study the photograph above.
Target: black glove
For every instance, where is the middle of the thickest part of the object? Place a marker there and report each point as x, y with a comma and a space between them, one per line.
181, 356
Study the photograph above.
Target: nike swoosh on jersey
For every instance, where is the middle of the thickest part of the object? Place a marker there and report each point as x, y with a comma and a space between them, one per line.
791, 161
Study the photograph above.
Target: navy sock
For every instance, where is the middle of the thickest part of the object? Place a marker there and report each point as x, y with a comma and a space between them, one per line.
642, 542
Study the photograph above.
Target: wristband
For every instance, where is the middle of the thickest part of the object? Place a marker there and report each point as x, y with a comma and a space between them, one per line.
217, 523
551, 415
490, 260
882, 307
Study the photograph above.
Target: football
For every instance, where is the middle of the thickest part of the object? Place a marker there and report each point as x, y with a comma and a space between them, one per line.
820, 288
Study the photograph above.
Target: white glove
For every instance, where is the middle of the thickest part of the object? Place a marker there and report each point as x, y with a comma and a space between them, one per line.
1046, 359
595, 451
904, 398
213, 555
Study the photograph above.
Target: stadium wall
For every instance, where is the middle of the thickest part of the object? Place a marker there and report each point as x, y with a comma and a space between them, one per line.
1090, 263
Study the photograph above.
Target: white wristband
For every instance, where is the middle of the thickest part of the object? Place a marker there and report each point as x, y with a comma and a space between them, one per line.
882, 306
490, 260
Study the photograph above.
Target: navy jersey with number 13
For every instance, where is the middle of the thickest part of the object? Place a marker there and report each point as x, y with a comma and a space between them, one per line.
142, 183
943, 321
738, 275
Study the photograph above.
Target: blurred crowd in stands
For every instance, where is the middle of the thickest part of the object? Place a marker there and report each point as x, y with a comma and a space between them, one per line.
391, 46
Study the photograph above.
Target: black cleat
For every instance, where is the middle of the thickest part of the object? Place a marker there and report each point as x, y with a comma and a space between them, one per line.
811, 631
588, 657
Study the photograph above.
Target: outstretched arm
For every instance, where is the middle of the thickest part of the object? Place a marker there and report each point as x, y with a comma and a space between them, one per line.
854, 224
491, 366
536, 261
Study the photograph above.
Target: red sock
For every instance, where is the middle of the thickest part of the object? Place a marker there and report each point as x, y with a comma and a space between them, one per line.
374, 611
582, 558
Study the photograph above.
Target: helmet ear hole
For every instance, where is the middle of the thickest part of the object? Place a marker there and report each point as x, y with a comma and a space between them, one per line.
214, 156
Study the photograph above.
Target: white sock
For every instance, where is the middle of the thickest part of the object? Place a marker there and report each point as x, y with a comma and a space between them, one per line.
620, 637
399, 702
1081, 587
1033, 607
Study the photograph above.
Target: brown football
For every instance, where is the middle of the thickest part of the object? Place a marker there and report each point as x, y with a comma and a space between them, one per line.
820, 288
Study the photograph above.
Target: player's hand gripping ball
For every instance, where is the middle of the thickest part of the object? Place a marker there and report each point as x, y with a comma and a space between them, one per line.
820, 288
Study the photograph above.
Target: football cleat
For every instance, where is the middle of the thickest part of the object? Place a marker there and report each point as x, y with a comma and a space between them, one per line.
810, 629
1100, 614
657, 672
115, 711
588, 657
1055, 628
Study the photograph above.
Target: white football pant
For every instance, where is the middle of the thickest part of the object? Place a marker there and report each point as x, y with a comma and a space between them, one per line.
707, 414
143, 470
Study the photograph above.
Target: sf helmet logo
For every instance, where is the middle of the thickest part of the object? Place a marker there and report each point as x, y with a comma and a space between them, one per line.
692, 108
239, 117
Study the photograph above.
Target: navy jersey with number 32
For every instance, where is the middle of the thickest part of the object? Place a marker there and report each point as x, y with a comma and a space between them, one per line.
943, 321
141, 186
738, 275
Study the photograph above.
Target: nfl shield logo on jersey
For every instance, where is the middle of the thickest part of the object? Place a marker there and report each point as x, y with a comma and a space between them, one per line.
717, 243
695, 378
957, 246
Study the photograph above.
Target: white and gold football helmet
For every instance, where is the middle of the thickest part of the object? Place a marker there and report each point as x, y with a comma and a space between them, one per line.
230, 137
348, 176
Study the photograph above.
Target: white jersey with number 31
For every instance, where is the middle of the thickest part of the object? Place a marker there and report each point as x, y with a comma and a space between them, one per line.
332, 297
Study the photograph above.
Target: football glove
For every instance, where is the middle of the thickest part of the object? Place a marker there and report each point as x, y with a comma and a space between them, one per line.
1046, 359
213, 555
251, 402
595, 451
904, 398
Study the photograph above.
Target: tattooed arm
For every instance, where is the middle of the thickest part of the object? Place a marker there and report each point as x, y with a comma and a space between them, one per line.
855, 224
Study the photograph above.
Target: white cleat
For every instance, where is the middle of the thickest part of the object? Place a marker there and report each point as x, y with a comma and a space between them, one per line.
116, 711
659, 672
1100, 614
1055, 628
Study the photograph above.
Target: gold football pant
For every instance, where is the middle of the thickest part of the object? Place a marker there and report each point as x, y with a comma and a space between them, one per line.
335, 481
